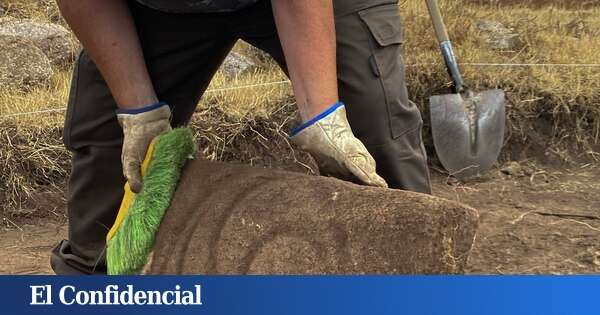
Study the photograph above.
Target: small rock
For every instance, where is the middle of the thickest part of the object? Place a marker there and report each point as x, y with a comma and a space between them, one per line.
54, 40
512, 169
499, 36
235, 64
22, 64
258, 55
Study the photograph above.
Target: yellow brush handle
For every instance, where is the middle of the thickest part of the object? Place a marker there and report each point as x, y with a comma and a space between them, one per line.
129, 196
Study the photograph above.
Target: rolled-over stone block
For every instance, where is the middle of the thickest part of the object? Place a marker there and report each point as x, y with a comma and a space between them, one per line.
236, 219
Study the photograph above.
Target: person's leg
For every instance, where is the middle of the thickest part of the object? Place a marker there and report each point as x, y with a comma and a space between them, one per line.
182, 53
372, 83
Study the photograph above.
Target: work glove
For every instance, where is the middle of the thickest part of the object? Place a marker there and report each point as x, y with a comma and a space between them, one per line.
329, 139
140, 127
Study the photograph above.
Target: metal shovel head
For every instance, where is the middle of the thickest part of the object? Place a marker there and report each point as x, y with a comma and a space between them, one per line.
468, 130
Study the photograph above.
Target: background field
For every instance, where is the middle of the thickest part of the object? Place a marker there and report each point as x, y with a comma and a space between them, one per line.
570, 4
553, 119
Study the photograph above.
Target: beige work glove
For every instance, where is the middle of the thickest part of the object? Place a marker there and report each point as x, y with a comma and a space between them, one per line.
329, 139
140, 127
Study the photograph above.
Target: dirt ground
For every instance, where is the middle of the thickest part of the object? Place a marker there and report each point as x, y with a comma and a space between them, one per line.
533, 221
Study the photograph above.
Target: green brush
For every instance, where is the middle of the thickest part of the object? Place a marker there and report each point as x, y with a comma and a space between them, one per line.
130, 241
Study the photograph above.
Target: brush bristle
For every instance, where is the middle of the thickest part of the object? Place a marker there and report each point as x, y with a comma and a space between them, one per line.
128, 251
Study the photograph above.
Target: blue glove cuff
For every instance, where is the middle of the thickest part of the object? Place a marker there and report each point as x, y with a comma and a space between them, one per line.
311, 122
141, 110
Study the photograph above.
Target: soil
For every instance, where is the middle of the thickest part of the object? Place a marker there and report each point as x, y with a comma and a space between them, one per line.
533, 221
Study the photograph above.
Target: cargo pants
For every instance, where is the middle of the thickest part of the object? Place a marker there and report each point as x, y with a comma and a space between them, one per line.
183, 52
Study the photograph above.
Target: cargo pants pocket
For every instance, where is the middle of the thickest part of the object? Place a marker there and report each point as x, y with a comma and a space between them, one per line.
384, 24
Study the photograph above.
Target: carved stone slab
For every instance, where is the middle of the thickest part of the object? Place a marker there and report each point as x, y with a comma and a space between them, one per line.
236, 219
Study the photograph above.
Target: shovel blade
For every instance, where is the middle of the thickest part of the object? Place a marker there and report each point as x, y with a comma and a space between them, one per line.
468, 131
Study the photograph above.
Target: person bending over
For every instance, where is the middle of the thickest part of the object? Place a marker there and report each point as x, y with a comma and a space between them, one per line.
144, 67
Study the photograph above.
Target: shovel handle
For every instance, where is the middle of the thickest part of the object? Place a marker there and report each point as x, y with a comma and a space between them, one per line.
446, 45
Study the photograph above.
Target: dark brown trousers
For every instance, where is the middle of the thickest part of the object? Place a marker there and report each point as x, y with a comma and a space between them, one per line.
183, 52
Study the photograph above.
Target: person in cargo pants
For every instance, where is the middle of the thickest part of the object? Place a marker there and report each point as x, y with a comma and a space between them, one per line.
181, 63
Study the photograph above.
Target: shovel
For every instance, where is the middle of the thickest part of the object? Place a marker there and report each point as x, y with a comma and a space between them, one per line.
467, 126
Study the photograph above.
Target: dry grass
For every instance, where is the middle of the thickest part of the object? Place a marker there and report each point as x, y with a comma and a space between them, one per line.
32, 160
571, 4
261, 93
39, 10
554, 106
